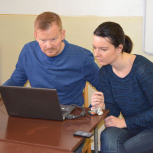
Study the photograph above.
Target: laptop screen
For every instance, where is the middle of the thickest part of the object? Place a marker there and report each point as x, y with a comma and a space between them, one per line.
29, 102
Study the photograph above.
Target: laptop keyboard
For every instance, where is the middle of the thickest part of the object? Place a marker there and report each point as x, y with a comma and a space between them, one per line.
63, 112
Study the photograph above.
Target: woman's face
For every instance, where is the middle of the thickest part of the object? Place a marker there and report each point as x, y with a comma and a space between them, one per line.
104, 51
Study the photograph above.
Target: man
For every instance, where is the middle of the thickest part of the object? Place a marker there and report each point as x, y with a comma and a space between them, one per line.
51, 62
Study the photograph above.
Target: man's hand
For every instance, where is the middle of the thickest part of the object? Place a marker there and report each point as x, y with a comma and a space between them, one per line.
112, 121
97, 99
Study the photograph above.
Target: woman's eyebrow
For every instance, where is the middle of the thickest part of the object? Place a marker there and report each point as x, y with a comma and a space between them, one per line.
101, 47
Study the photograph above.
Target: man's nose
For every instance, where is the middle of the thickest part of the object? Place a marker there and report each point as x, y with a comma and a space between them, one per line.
49, 44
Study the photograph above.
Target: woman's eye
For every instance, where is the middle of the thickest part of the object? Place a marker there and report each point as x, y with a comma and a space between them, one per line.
101, 49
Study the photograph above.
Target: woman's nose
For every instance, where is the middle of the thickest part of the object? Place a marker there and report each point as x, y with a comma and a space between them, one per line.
96, 52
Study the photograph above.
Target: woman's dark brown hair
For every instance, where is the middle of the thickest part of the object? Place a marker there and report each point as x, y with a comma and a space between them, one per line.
116, 35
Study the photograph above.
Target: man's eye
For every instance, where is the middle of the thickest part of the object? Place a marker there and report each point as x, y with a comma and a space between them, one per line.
53, 39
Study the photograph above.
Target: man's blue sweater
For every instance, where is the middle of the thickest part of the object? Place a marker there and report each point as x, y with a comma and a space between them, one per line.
66, 72
131, 95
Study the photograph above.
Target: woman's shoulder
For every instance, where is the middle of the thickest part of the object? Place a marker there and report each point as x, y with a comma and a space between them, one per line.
142, 64
142, 61
105, 69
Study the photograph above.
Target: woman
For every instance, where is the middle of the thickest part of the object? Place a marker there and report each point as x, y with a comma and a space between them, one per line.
127, 84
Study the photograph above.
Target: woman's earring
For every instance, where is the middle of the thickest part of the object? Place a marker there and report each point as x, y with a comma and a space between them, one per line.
118, 54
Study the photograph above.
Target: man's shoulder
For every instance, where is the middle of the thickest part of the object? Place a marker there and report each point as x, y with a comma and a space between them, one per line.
31, 44
74, 47
30, 48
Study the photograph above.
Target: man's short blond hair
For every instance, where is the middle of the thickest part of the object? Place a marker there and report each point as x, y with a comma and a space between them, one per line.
45, 20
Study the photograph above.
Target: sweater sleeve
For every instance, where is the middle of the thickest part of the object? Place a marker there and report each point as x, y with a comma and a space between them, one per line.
90, 71
144, 75
18, 77
9, 82
105, 87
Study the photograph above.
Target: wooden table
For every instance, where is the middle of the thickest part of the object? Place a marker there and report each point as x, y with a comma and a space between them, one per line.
35, 135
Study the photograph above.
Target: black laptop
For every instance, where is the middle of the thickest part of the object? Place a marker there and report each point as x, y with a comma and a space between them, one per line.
30, 102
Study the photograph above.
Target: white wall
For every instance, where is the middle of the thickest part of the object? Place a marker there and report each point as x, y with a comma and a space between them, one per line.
148, 39
74, 7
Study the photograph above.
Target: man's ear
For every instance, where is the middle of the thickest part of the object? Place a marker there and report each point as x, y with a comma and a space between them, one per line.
63, 34
35, 34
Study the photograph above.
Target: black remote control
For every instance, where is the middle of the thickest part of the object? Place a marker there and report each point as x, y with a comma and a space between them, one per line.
83, 134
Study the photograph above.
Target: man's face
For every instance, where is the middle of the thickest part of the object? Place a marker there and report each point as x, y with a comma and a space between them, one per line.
50, 40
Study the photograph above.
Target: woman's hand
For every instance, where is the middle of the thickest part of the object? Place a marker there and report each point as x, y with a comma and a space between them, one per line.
97, 99
112, 121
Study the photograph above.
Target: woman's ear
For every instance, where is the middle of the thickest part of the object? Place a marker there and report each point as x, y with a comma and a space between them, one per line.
119, 49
